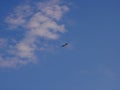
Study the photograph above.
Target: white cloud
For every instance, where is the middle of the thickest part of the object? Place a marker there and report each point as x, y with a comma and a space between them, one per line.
19, 16
37, 21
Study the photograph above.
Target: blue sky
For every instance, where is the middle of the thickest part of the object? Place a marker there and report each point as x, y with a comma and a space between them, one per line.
31, 34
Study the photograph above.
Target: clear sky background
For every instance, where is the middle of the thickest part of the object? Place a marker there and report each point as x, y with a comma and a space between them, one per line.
31, 56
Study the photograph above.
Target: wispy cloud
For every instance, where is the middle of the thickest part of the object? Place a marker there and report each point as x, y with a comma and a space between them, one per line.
38, 20
2, 42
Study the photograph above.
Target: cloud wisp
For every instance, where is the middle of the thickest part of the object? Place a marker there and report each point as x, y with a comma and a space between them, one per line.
38, 20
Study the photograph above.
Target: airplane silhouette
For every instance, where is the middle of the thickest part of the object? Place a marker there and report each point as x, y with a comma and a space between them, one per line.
64, 45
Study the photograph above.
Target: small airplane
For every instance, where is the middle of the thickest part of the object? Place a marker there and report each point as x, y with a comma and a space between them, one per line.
64, 45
